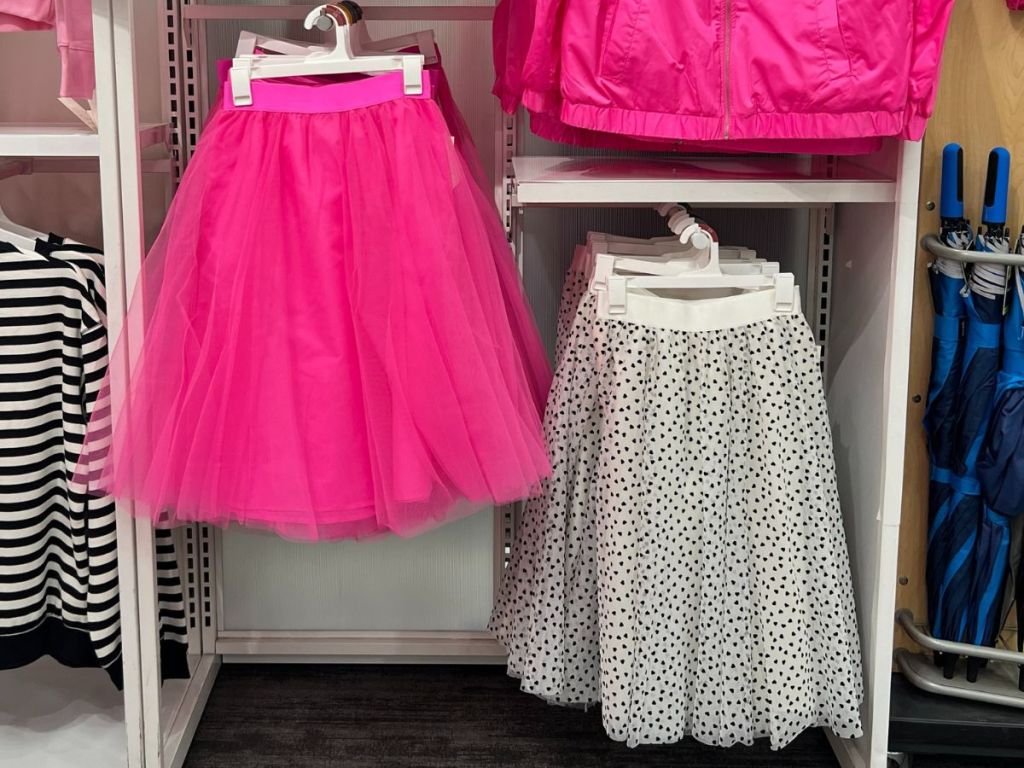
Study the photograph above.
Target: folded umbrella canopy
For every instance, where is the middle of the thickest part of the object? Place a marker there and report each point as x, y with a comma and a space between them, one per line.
1001, 475
991, 547
953, 518
952, 530
982, 359
1001, 463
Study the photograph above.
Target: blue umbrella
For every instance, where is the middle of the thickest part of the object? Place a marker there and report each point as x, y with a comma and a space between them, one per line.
1001, 475
1001, 463
951, 531
985, 304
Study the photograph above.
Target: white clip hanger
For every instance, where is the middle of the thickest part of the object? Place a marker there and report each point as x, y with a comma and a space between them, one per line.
342, 59
423, 41
19, 236
709, 275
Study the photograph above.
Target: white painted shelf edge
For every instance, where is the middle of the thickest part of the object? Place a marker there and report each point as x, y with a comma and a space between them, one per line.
747, 182
64, 139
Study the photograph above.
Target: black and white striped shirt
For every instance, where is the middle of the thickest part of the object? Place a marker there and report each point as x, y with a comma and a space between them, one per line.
58, 547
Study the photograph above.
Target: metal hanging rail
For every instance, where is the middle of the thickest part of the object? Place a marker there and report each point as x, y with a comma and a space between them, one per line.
906, 621
936, 247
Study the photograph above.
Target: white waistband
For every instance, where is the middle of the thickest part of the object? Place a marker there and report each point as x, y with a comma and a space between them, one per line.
710, 314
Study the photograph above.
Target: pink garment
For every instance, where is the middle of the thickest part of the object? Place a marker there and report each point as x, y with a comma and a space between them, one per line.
20, 15
73, 21
329, 350
552, 128
724, 70
530, 346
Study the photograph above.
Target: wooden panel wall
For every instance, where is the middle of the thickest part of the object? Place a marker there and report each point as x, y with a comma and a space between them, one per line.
980, 105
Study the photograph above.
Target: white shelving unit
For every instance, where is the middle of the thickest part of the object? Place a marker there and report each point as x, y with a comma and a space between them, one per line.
871, 292
873, 204
64, 140
51, 715
740, 182
55, 717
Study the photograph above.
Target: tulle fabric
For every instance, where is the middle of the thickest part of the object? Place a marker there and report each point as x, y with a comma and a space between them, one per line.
530, 346
327, 349
528, 341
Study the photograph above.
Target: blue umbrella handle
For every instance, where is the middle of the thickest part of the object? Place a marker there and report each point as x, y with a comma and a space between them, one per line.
997, 188
949, 661
951, 203
974, 665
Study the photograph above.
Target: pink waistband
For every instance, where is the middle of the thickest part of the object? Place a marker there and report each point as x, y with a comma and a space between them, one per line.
317, 94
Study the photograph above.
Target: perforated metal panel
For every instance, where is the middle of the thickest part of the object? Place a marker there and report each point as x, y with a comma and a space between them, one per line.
818, 303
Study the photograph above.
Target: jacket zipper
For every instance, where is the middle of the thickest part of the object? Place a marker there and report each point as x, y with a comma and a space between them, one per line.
726, 90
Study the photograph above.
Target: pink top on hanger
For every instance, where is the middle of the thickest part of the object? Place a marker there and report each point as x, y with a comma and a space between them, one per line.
724, 70
73, 21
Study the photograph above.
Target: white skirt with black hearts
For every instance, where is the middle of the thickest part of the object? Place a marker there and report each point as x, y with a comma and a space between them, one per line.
686, 563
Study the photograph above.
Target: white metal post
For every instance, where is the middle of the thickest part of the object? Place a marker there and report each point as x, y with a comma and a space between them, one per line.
130, 154
894, 409
114, 249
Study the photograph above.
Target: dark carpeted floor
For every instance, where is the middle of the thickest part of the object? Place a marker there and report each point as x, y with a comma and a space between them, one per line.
334, 716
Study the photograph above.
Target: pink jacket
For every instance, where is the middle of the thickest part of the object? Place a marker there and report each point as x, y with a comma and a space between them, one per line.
712, 70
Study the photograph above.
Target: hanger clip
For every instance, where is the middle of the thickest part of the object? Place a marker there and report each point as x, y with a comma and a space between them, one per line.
616, 295
412, 75
241, 81
604, 266
785, 293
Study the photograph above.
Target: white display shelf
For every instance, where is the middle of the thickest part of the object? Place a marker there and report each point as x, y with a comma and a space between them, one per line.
63, 139
713, 181
52, 716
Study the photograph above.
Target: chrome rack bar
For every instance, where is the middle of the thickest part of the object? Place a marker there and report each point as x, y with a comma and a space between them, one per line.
991, 687
936, 247
906, 620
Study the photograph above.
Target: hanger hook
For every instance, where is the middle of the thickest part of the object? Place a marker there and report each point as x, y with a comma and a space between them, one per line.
699, 234
335, 15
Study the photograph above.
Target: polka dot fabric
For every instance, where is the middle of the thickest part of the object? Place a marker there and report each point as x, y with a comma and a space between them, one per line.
547, 613
686, 564
573, 289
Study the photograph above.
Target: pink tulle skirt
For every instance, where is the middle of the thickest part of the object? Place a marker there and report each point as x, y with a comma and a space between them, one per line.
328, 336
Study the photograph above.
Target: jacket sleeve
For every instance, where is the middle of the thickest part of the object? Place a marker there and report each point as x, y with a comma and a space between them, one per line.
74, 43
931, 19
